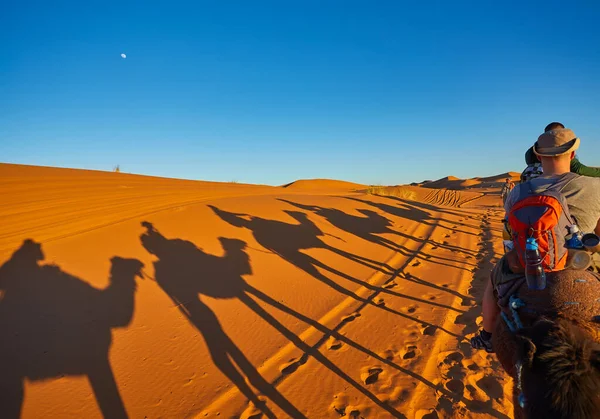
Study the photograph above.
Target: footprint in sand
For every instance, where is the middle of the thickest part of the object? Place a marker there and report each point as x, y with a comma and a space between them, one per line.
342, 407
429, 330
474, 367
491, 387
333, 344
389, 285
291, 366
457, 387
379, 302
411, 352
350, 317
339, 404
388, 354
411, 309
414, 335
417, 263
450, 365
370, 375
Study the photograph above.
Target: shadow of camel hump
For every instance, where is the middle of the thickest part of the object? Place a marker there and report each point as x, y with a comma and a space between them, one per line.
54, 324
186, 272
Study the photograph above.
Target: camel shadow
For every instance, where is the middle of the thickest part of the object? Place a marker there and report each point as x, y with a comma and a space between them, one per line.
288, 240
371, 225
54, 324
185, 273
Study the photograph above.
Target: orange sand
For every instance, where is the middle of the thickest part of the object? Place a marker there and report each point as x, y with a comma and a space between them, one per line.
314, 300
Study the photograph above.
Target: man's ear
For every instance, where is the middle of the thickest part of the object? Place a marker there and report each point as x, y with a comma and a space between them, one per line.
572, 155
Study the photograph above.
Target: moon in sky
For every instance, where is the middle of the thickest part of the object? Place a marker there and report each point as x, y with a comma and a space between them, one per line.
123, 56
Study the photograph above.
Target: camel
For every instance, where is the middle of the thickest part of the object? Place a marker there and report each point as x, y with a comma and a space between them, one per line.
553, 351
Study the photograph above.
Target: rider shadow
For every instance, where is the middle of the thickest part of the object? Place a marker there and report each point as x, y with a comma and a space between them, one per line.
429, 207
185, 273
371, 225
287, 240
53, 324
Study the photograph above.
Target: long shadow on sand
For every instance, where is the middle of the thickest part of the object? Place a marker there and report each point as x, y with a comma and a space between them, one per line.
371, 225
424, 206
53, 324
185, 272
288, 240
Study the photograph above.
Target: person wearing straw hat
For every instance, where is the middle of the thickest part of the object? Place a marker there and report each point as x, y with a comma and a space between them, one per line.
556, 149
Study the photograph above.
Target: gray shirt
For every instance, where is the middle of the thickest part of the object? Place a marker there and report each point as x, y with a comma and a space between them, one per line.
582, 194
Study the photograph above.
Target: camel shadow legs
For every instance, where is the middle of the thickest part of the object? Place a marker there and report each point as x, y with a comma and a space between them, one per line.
106, 391
225, 353
11, 395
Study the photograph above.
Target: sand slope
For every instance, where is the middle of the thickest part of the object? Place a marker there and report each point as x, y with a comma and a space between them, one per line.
454, 183
312, 303
328, 184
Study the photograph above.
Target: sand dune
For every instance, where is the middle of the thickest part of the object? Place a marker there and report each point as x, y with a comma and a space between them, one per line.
132, 296
454, 183
314, 184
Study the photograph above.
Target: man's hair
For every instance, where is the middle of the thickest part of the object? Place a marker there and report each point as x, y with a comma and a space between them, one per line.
553, 125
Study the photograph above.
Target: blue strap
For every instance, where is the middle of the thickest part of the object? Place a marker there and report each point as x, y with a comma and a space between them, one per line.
514, 303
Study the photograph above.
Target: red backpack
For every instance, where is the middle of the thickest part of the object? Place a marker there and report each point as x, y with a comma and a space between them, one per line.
542, 213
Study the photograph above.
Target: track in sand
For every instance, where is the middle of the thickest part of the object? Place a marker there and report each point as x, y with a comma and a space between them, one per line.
257, 301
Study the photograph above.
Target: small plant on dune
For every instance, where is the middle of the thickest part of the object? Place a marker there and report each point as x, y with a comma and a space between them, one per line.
377, 190
397, 191
117, 169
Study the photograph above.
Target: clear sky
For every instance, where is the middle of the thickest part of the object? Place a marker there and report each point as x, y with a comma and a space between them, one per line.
273, 91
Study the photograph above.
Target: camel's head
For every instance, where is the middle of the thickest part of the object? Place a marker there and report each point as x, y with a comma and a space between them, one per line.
235, 219
121, 267
297, 215
560, 375
30, 252
230, 245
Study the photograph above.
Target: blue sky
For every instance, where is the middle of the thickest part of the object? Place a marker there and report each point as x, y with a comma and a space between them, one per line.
273, 91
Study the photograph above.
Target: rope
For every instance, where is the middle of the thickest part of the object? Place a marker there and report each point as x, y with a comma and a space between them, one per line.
515, 303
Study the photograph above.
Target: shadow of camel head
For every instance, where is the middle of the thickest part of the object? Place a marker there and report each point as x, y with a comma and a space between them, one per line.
235, 219
30, 252
126, 267
297, 215
230, 245
369, 213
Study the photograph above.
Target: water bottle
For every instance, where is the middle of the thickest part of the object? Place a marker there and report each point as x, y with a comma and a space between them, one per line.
534, 271
573, 238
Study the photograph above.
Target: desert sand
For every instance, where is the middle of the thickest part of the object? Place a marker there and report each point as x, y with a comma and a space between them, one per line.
142, 297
